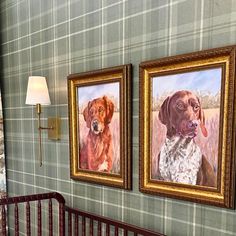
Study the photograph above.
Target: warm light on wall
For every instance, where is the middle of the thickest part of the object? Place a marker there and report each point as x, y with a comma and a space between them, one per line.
37, 94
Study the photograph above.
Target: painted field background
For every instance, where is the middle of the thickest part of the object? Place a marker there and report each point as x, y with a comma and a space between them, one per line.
115, 131
208, 145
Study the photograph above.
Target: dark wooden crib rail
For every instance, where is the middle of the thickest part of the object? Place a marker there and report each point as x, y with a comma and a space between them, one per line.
79, 218
84, 223
34, 198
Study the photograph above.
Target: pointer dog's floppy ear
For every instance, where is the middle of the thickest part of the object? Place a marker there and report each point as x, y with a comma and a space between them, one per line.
164, 116
164, 112
202, 120
202, 123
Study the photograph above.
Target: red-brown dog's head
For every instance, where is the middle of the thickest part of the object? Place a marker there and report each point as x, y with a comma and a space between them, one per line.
98, 114
182, 113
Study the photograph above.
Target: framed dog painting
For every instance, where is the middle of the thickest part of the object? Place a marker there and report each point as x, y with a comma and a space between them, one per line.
187, 127
100, 126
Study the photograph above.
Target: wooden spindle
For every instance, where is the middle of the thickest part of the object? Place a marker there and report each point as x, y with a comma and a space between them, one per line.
50, 217
116, 231
69, 225
107, 230
99, 228
62, 219
39, 219
16, 220
76, 232
28, 227
91, 227
83, 226
125, 232
4, 230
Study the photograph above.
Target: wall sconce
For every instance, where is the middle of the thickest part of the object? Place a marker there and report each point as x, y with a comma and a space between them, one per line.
37, 94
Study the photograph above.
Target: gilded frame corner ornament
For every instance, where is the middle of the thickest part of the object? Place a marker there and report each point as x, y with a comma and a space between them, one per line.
89, 144
223, 193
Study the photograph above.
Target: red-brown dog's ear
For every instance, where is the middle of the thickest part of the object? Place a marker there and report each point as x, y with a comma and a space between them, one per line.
109, 109
86, 115
164, 112
202, 122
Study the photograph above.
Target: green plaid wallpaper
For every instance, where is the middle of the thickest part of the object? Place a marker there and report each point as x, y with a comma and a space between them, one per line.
54, 38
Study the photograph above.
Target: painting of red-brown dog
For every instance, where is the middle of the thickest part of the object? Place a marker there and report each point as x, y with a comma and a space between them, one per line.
99, 105
98, 109
185, 127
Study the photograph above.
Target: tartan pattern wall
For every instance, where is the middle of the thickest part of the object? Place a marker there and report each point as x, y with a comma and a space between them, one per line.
56, 38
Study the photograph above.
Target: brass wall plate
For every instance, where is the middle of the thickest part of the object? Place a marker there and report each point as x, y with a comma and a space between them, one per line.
55, 132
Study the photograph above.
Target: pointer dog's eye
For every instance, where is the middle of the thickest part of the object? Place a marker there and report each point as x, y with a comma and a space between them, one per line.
180, 106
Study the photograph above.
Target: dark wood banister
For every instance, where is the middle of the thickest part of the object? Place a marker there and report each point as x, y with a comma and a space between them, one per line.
37, 197
71, 211
34, 197
108, 221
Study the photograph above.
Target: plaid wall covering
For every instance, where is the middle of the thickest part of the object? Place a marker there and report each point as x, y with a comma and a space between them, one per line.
55, 38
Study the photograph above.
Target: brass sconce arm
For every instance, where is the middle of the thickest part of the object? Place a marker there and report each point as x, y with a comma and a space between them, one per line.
54, 126
40, 128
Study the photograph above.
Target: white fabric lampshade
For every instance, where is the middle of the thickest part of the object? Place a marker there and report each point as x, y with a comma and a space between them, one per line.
37, 91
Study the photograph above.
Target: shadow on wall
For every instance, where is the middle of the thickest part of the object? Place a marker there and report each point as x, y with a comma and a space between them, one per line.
3, 191
1, 95
1, 61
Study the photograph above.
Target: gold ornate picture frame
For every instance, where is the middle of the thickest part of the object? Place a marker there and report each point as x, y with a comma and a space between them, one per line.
187, 127
100, 126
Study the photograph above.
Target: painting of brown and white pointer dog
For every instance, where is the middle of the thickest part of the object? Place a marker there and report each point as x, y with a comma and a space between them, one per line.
180, 158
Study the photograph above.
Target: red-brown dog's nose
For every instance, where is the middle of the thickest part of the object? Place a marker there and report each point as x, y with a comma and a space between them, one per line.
95, 125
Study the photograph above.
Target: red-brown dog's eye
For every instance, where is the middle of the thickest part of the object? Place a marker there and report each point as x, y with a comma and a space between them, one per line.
100, 109
196, 107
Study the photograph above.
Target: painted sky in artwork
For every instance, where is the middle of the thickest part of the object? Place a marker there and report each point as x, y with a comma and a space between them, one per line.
88, 93
204, 81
